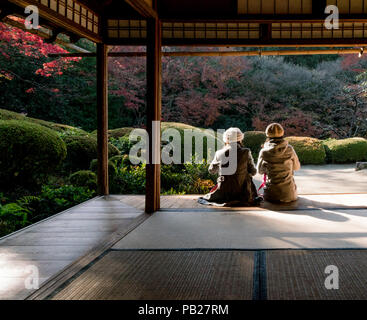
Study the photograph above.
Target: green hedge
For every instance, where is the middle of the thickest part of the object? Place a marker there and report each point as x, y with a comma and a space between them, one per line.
254, 141
81, 150
309, 150
10, 115
120, 138
202, 135
346, 150
84, 178
28, 152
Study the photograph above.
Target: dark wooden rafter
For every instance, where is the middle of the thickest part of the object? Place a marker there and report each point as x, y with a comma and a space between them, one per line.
259, 52
154, 60
102, 118
142, 8
311, 42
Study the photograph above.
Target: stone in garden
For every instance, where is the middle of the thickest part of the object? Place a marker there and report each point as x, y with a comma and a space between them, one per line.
361, 166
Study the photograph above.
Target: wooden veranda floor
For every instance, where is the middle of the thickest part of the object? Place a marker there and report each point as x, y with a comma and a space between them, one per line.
108, 248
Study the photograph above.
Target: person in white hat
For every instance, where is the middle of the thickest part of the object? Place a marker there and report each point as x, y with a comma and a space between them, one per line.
236, 187
278, 161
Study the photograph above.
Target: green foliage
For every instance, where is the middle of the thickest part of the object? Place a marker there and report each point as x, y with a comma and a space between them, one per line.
14, 213
30, 209
61, 128
84, 178
187, 178
309, 150
121, 161
199, 133
28, 152
54, 199
346, 150
119, 132
254, 141
129, 180
81, 150
122, 144
112, 169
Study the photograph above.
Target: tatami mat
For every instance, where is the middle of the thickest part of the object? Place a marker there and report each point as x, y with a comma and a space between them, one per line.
321, 228
172, 275
300, 274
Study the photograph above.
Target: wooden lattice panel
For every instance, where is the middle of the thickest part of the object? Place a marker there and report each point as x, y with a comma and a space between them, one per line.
73, 11
318, 31
274, 6
201, 30
136, 29
349, 6
69, 12
127, 29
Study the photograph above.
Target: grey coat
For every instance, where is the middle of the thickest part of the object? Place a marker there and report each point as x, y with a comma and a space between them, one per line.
279, 161
237, 186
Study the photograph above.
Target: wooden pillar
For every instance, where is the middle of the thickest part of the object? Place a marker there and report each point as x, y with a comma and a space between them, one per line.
154, 62
102, 118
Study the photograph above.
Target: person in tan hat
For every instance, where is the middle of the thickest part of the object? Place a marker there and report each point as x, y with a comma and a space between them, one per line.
278, 160
236, 187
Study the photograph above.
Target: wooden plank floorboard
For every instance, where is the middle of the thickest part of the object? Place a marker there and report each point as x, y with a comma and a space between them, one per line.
55, 243
305, 202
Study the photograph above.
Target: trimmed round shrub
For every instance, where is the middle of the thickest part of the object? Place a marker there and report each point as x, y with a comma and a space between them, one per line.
11, 115
120, 132
84, 178
121, 161
309, 150
111, 167
254, 141
346, 150
28, 152
81, 150
201, 135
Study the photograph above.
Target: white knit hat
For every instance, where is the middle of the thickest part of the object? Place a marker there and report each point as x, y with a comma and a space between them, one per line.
232, 135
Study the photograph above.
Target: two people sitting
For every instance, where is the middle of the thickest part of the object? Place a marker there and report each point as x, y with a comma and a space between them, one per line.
277, 160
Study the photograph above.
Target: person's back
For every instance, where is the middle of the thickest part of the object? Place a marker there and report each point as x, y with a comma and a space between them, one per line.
234, 186
278, 161
237, 186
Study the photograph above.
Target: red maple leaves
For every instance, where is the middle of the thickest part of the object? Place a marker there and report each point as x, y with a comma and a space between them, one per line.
32, 45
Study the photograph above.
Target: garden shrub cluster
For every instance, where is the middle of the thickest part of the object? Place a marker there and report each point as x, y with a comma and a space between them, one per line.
201, 134
346, 150
254, 141
309, 150
315, 151
84, 178
28, 152
30, 209
81, 150
10, 115
62, 160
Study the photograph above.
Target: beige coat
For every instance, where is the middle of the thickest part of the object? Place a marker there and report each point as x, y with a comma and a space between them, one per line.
279, 161
237, 186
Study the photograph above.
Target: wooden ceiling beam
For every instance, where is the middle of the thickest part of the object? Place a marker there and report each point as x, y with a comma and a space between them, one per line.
142, 8
219, 53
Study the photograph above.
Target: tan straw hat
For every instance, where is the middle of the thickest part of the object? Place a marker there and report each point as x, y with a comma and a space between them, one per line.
274, 130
